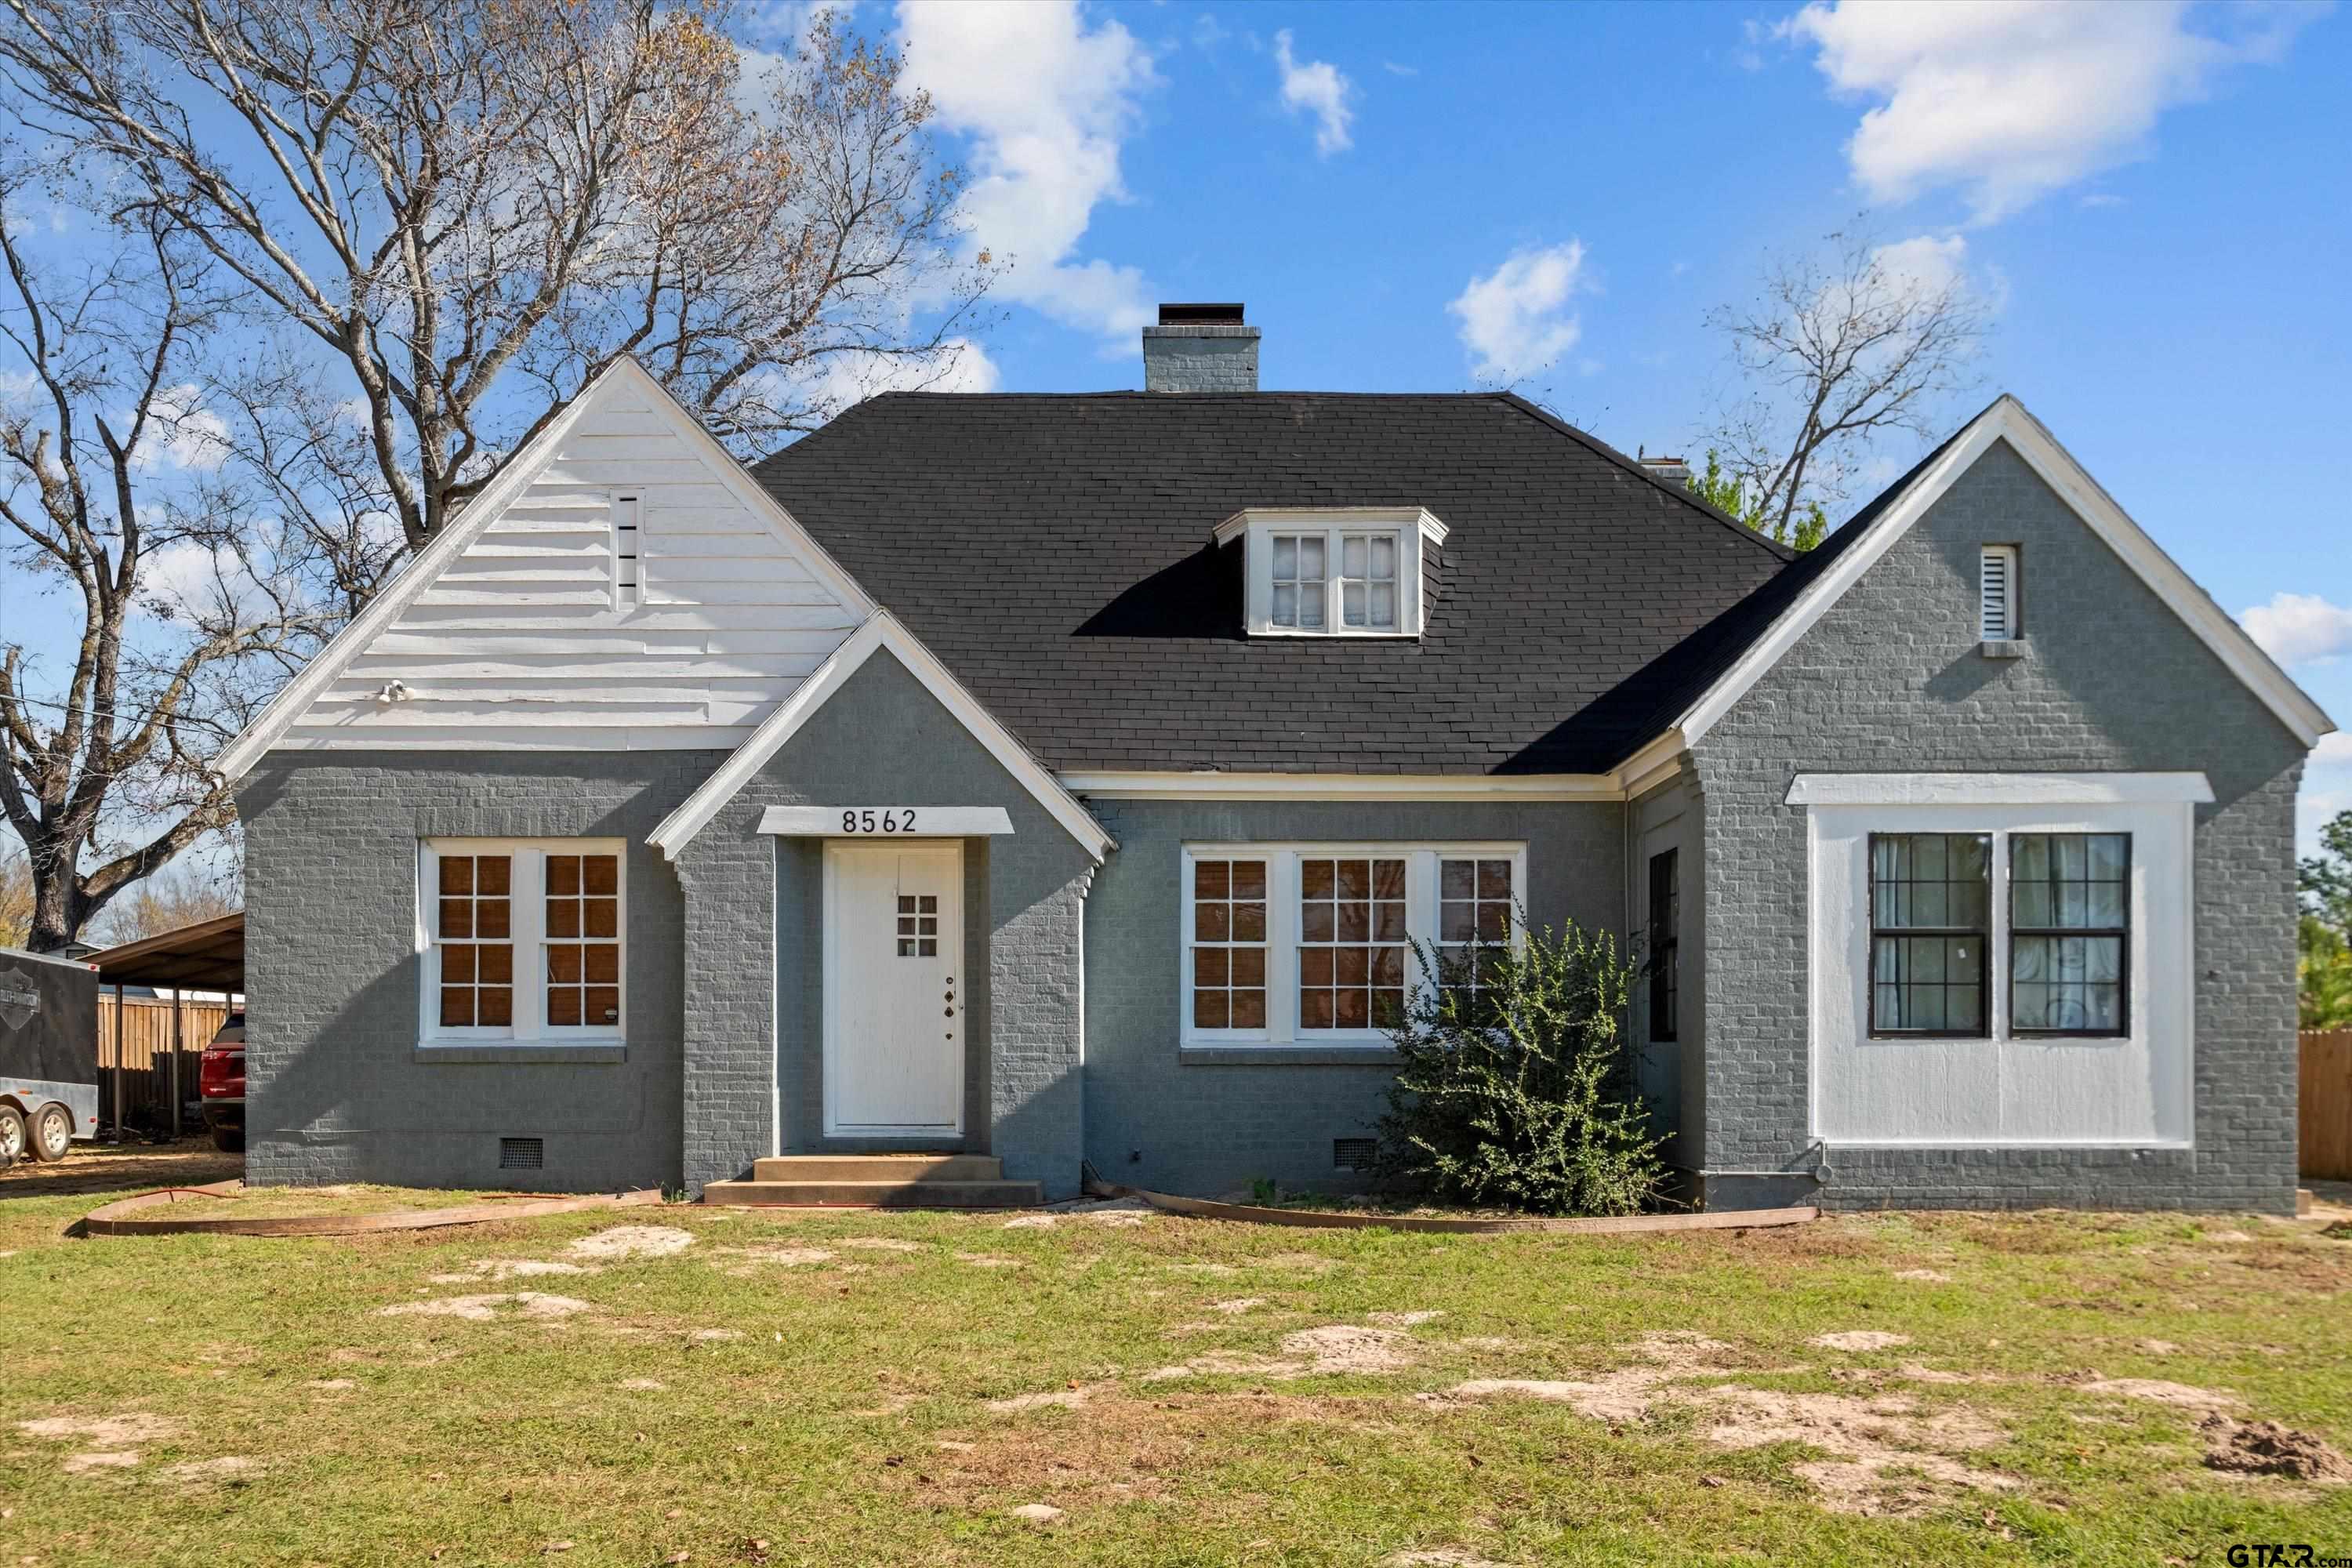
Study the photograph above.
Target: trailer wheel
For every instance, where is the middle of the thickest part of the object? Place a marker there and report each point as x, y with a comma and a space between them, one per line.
229, 1140
11, 1136
50, 1135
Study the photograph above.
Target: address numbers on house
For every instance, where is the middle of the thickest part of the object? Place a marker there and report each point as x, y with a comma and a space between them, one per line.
885, 821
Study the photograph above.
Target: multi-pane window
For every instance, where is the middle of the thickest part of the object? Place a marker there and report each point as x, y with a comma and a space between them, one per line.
1368, 581
474, 929
1351, 943
1229, 944
1315, 944
1474, 900
2070, 933
583, 941
521, 940
1665, 943
919, 925
1299, 563
1930, 921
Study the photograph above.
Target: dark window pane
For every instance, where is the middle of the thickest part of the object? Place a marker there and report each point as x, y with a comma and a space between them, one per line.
1316, 923
564, 875
1458, 879
492, 875
1249, 965
604, 916
491, 917
1209, 966
563, 965
563, 1006
457, 917
603, 1005
1209, 879
601, 875
1354, 1010
457, 874
1388, 878
1315, 1009
1249, 922
1315, 966
457, 1006
1494, 879
563, 918
457, 966
1249, 878
1355, 878
496, 1006
1249, 1009
1316, 878
1213, 922
1209, 1010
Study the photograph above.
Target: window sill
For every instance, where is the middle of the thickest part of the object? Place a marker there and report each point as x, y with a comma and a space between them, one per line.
555, 1053
2005, 648
1286, 1056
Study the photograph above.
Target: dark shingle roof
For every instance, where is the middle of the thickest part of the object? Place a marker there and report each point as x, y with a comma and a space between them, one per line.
1055, 552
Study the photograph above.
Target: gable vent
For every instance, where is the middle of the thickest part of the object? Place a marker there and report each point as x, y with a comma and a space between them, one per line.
523, 1154
1997, 592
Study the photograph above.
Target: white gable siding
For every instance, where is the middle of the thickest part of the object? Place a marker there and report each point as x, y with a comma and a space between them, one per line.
518, 642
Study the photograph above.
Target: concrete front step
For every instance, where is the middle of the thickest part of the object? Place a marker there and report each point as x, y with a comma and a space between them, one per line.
900, 1194
879, 1168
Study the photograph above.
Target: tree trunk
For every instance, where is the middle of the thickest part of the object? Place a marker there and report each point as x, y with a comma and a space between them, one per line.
58, 908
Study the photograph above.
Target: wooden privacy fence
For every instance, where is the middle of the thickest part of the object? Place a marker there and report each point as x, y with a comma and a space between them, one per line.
145, 1069
2325, 1132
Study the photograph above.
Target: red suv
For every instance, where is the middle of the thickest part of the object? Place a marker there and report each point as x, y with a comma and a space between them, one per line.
220, 1080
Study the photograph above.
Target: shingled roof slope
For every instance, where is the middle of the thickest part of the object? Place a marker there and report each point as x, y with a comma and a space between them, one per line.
1054, 551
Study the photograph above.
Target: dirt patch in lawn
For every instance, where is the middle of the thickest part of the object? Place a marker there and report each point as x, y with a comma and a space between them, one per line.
1859, 1340
500, 1270
125, 1431
1333, 1350
1877, 1445
2267, 1448
2156, 1391
881, 1244
486, 1309
633, 1241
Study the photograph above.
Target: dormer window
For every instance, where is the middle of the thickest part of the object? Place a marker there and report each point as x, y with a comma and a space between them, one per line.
1334, 571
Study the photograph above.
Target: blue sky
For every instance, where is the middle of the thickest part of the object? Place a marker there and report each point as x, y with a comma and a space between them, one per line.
2157, 196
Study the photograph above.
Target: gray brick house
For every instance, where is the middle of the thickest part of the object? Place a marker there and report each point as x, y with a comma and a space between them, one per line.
1032, 781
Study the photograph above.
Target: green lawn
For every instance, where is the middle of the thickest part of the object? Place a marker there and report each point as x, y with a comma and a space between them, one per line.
871, 1388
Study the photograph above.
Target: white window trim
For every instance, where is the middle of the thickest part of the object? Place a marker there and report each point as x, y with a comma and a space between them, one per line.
1417, 534
527, 930
1975, 1092
1421, 882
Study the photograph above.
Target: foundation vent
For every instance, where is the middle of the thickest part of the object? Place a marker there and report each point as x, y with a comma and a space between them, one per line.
523, 1154
1354, 1153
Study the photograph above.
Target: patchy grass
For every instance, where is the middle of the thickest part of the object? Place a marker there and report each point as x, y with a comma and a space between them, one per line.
990, 1389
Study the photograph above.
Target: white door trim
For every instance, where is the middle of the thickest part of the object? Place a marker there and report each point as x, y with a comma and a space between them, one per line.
836, 941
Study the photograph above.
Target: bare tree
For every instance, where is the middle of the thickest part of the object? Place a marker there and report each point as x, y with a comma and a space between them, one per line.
1841, 346
183, 893
436, 192
188, 603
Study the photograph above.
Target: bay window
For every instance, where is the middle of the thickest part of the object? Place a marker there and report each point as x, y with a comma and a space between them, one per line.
1312, 944
520, 939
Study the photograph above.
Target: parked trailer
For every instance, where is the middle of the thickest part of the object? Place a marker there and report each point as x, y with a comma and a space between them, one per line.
49, 1054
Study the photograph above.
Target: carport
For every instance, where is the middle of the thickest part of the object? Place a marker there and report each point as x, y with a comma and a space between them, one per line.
206, 956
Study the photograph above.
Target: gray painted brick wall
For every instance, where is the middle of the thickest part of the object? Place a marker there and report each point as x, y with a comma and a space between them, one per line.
1206, 1126
335, 1091
1890, 680
1207, 357
881, 739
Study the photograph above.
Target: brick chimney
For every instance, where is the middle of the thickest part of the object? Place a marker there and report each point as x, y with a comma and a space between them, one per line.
1199, 348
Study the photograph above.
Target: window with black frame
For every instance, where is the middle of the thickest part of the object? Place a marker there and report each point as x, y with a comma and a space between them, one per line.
1665, 943
2070, 933
1930, 920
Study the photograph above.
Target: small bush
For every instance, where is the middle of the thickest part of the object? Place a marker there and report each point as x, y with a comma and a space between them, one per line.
1519, 1093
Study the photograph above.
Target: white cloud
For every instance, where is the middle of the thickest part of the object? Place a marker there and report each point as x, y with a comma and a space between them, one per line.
1516, 318
2299, 629
1317, 88
1046, 101
1395, 68
181, 433
2012, 100
2333, 751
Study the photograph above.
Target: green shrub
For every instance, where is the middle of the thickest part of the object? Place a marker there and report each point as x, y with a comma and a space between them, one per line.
1519, 1093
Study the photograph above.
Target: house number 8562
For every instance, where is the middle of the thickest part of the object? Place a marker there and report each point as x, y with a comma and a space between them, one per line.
872, 821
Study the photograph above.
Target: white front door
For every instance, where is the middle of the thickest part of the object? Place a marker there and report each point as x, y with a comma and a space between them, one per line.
893, 1013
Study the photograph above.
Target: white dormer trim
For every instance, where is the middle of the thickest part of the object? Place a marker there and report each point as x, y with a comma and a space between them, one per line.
1417, 533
